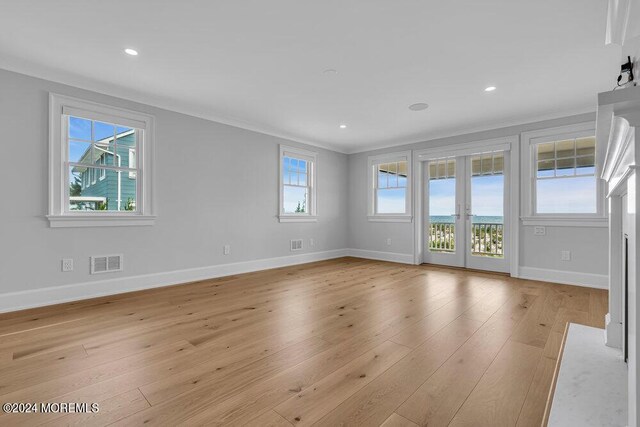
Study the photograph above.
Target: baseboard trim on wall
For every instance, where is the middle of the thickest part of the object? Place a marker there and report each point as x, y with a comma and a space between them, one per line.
381, 256
589, 280
14, 301
21, 300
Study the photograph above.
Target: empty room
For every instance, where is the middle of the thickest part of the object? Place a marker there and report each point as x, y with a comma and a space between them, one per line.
330, 213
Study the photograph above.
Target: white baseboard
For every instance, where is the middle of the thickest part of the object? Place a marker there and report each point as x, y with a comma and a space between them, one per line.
613, 332
21, 300
381, 256
589, 280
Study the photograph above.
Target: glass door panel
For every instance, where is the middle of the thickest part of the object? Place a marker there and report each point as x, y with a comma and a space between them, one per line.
485, 211
443, 225
466, 221
487, 205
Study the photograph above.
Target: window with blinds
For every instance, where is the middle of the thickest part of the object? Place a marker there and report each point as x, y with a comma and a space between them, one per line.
389, 183
442, 169
565, 176
487, 164
391, 188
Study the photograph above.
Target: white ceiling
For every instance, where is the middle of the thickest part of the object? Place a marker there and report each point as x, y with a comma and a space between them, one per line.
259, 64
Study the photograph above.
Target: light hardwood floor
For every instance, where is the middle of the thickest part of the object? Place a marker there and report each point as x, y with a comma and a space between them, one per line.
341, 342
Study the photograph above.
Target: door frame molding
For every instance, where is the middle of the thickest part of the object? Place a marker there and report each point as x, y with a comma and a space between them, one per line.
508, 143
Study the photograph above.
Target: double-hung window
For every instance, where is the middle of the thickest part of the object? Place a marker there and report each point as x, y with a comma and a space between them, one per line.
297, 185
564, 182
95, 179
390, 187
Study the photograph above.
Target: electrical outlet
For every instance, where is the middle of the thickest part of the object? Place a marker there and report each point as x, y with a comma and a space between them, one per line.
539, 231
67, 264
565, 255
389, 241
312, 242
226, 250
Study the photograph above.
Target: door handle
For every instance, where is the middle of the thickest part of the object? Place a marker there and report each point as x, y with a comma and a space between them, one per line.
468, 213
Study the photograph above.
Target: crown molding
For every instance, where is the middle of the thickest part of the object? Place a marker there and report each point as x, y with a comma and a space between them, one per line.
31, 69
499, 126
28, 68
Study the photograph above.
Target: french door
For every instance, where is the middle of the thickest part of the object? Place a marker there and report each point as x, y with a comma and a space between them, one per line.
465, 211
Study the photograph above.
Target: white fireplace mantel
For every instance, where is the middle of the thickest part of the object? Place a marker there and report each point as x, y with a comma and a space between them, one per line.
618, 115
618, 155
618, 112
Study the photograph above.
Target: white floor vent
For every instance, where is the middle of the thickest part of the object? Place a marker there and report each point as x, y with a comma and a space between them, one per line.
106, 264
296, 245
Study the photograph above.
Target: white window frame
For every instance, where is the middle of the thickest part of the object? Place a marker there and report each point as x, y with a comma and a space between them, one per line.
312, 204
373, 162
529, 181
61, 106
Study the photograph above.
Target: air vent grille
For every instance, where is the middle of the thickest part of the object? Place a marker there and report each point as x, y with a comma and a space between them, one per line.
296, 245
113, 263
106, 264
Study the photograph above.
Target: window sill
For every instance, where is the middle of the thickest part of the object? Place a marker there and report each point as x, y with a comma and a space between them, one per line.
68, 221
390, 218
298, 218
566, 221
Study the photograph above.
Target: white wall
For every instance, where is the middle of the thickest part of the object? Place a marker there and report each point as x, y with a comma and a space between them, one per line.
216, 185
588, 246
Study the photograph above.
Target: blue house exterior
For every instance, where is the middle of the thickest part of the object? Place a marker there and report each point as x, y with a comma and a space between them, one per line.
107, 189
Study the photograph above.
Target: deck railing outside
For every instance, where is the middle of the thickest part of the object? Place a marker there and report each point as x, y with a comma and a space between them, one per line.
486, 239
442, 237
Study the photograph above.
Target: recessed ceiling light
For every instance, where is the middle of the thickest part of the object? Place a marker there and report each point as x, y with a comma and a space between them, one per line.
330, 71
419, 106
131, 52
490, 89
343, 126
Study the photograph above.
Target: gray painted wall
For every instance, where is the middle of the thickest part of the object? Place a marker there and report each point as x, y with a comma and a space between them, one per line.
203, 199
589, 249
631, 48
212, 203
588, 246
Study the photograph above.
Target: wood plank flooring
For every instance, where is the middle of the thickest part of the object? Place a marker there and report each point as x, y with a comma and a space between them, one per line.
340, 342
